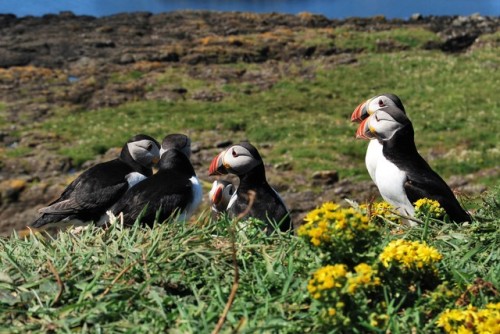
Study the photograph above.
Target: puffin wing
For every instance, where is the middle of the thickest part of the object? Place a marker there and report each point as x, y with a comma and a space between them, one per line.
85, 197
432, 186
62, 207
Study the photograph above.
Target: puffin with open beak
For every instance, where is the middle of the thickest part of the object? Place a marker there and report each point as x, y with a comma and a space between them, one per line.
219, 197
399, 171
244, 161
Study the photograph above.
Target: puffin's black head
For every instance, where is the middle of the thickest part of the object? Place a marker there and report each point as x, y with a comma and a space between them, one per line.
237, 159
141, 149
174, 159
178, 141
368, 107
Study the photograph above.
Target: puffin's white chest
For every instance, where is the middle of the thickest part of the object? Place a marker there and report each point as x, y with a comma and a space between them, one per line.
134, 178
390, 183
373, 153
197, 196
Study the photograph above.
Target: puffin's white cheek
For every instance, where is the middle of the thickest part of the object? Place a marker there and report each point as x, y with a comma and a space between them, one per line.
243, 163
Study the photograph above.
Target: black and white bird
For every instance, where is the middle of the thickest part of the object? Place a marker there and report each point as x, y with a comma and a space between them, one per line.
173, 192
363, 111
219, 197
94, 191
245, 161
400, 173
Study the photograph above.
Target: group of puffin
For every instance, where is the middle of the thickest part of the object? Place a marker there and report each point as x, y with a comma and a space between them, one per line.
127, 186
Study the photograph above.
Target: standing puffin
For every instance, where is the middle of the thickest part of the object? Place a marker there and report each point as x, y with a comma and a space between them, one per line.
219, 196
244, 161
363, 111
401, 174
93, 192
173, 190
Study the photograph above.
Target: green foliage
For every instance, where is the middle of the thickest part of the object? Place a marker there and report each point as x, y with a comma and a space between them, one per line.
437, 274
174, 276
308, 119
178, 277
377, 41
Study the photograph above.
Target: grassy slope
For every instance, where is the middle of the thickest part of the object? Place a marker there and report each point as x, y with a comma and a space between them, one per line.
178, 277
305, 114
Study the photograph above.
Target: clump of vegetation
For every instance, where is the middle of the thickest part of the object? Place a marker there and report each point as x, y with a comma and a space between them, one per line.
399, 276
180, 276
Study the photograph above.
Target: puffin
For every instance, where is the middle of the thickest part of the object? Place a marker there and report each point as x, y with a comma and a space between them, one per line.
219, 197
401, 174
173, 192
364, 110
244, 161
95, 190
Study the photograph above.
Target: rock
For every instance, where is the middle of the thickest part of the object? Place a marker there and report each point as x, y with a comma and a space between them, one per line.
11, 189
327, 177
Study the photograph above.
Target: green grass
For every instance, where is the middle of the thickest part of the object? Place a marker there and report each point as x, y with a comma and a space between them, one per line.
304, 112
368, 41
449, 99
178, 277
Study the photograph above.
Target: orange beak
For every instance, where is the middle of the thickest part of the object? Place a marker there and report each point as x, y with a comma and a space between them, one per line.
217, 195
216, 166
363, 131
360, 113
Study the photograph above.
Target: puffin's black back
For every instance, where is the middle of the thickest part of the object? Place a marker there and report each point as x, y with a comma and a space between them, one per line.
169, 190
90, 194
422, 182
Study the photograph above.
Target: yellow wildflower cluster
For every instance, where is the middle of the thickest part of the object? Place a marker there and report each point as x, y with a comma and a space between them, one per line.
337, 277
327, 278
331, 221
471, 320
364, 277
428, 207
381, 209
409, 255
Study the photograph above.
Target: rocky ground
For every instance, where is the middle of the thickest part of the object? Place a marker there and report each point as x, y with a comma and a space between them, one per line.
66, 61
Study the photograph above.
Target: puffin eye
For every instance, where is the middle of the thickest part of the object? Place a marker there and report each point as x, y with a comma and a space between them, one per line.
234, 153
380, 103
149, 147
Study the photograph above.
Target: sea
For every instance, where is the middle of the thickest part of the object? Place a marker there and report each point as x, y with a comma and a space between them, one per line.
333, 9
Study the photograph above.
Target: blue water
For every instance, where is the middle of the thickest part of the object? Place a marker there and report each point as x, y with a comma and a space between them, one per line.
330, 8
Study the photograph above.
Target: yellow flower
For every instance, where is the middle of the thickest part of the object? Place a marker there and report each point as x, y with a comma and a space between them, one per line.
471, 320
331, 224
364, 277
428, 207
409, 255
331, 311
327, 278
